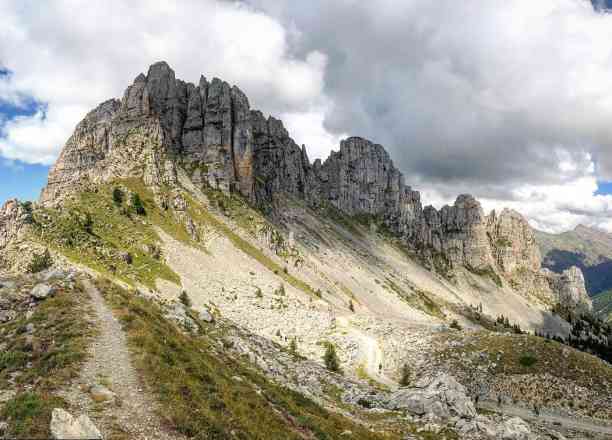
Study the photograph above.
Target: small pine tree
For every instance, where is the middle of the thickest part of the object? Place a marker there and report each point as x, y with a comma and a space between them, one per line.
406, 373
455, 325
258, 293
184, 298
88, 223
319, 293
293, 347
351, 306
137, 204
40, 262
330, 358
118, 196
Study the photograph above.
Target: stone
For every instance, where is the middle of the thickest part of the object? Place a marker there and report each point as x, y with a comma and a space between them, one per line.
3, 428
100, 393
440, 396
66, 427
7, 315
205, 315
14, 216
42, 291
514, 429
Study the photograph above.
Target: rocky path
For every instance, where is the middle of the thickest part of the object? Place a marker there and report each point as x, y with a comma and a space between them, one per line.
109, 389
565, 422
371, 356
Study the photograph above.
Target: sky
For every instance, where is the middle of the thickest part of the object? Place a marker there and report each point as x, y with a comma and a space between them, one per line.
510, 101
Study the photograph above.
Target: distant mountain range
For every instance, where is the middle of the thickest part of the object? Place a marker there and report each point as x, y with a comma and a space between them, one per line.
588, 248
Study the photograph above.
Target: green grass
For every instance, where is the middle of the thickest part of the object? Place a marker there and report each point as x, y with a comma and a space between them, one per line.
417, 298
528, 354
192, 378
93, 230
487, 272
55, 353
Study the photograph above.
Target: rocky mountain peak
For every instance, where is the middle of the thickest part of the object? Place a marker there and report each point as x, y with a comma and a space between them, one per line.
210, 131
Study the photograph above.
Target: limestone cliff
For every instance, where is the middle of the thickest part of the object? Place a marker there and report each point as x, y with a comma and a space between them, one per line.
210, 131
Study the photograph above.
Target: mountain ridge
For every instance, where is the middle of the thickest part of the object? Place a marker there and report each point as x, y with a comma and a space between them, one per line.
210, 131
330, 278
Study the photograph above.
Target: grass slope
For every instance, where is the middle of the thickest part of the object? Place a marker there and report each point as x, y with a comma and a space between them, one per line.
43, 362
94, 230
197, 386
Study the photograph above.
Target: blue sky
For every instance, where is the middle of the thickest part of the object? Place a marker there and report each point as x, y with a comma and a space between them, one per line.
19, 179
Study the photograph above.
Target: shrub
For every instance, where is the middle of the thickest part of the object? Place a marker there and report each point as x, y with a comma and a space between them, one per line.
184, 298
137, 204
319, 293
293, 346
406, 374
456, 325
330, 358
118, 196
40, 262
258, 293
351, 306
527, 360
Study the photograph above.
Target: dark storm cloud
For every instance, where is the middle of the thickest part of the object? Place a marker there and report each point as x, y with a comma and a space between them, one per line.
486, 94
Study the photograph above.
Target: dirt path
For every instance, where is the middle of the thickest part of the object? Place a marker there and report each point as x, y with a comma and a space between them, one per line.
371, 356
133, 415
566, 422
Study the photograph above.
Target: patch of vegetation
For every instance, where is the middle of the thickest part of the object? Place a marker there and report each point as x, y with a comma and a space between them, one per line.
184, 298
47, 360
330, 358
193, 380
418, 299
94, 231
487, 272
406, 376
528, 360
205, 217
40, 262
503, 242
455, 324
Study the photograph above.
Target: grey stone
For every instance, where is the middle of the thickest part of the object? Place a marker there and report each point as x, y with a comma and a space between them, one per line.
66, 427
440, 396
205, 315
42, 291
514, 429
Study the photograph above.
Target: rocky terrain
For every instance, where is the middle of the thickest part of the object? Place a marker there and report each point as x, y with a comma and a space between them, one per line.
208, 233
590, 249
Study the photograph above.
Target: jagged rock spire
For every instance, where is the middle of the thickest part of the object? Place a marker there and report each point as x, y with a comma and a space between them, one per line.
211, 132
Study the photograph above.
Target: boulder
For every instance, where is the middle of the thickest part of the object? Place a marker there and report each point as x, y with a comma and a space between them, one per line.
205, 315
42, 291
440, 396
66, 427
100, 393
514, 429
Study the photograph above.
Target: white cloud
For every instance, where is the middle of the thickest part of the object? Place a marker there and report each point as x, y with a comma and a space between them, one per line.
73, 64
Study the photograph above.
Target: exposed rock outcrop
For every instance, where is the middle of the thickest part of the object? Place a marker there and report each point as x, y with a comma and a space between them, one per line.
13, 217
570, 289
211, 132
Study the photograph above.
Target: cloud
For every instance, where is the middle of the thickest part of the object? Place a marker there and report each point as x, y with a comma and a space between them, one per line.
72, 65
510, 101
490, 98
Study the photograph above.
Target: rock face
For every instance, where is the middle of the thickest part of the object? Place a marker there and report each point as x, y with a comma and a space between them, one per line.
210, 131
13, 217
570, 289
